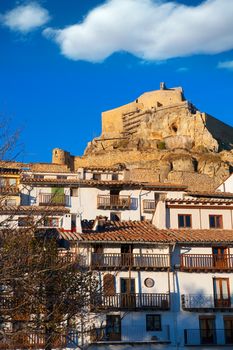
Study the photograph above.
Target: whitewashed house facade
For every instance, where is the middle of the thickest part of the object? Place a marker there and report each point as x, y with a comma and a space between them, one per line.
164, 256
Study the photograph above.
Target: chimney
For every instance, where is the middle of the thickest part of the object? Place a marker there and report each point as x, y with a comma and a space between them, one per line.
67, 222
99, 223
78, 225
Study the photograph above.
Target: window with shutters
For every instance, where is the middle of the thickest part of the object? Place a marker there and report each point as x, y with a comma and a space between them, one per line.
109, 285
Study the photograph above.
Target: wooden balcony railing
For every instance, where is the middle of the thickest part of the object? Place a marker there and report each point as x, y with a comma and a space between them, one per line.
149, 206
127, 260
208, 337
199, 302
132, 301
30, 340
53, 199
113, 202
9, 189
205, 262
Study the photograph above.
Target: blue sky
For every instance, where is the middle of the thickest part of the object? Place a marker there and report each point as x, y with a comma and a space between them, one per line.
64, 62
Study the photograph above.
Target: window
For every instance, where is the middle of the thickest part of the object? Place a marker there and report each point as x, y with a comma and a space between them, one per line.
38, 176
153, 323
109, 284
228, 327
222, 296
51, 222
115, 216
184, 220
10, 202
7, 182
74, 192
25, 221
113, 327
207, 329
215, 221
60, 177
114, 176
12, 182
2, 182
96, 176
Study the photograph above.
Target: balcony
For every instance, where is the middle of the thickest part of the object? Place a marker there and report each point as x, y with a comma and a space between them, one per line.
208, 337
132, 261
207, 303
132, 301
53, 199
9, 190
113, 202
30, 340
206, 262
149, 206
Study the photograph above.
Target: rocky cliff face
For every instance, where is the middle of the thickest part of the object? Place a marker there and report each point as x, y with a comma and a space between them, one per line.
164, 137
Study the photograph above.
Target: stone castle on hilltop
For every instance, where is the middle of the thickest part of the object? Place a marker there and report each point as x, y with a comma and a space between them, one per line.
162, 136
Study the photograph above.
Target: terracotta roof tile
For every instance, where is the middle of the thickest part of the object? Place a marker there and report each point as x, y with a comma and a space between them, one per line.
211, 194
145, 232
219, 200
34, 210
92, 183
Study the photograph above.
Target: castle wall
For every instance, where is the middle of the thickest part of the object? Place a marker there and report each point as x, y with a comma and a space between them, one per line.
112, 122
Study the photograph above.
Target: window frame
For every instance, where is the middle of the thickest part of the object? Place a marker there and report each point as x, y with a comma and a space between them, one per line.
185, 222
216, 216
153, 329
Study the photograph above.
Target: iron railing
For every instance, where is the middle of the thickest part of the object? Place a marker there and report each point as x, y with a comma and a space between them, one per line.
205, 302
200, 337
129, 334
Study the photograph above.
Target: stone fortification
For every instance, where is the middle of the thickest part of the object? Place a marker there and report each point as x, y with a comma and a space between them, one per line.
162, 136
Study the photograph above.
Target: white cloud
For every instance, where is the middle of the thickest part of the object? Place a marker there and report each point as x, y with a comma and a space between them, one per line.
148, 29
226, 65
25, 18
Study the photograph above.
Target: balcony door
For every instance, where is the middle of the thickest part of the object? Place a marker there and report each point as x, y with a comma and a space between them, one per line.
221, 292
126, 255
207, 330
114, 198
228, 327
113, 327
220, 257
128, 298
98, 255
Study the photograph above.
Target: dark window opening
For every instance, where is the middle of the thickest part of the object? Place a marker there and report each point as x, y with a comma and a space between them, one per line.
96, 176
215, 221
115, 216
115, 177
184, 221
153, 323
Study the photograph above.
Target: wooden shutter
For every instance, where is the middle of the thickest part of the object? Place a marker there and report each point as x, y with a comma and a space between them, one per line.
109, 285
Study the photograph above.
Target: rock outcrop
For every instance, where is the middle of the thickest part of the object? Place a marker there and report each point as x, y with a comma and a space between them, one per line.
164, 136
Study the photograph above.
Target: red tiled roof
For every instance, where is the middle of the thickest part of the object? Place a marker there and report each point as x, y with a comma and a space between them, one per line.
145, 232
200, 200
92, 183
34, 210
211, 194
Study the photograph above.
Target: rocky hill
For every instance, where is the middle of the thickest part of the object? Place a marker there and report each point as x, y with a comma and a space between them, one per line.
162, 137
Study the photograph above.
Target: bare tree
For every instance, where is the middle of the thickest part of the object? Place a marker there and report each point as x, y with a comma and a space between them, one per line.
43, 293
